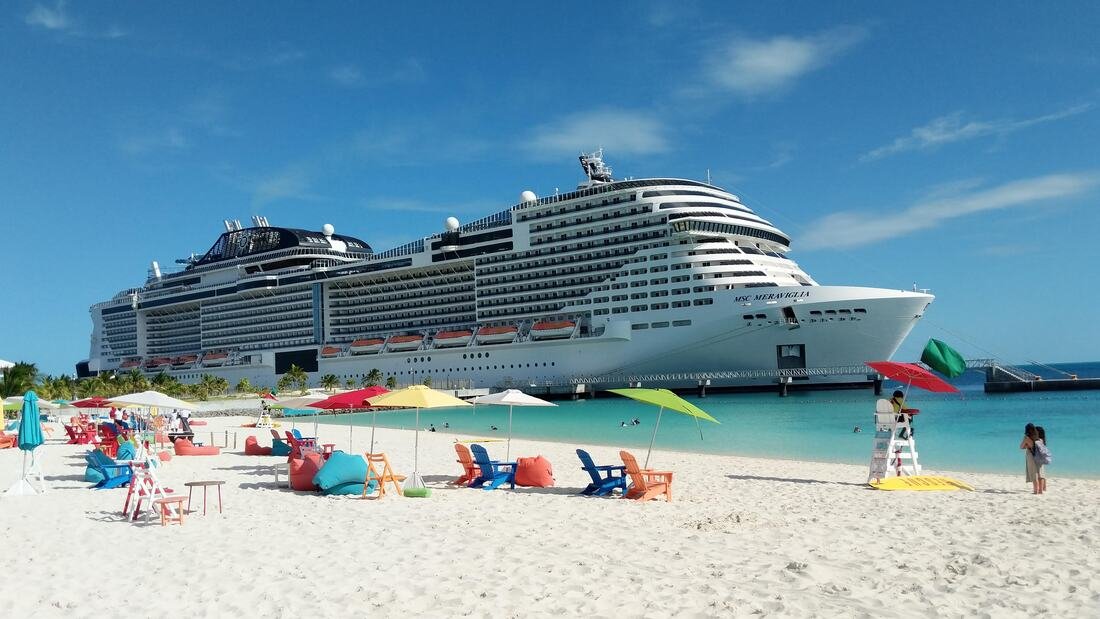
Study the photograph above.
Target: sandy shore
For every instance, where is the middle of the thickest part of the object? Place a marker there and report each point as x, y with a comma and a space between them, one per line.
744, 536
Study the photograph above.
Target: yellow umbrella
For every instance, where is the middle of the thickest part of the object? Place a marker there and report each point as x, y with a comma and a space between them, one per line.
664, 399
418, 397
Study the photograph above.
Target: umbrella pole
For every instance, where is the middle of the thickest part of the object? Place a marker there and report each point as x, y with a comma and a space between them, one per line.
416, 444
508, 452
654, 437
373, 425
351, 444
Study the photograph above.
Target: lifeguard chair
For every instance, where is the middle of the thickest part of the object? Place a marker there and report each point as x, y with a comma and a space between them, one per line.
894, 450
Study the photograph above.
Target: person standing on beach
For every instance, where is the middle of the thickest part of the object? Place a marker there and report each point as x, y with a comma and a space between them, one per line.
1031, 474
1040, 466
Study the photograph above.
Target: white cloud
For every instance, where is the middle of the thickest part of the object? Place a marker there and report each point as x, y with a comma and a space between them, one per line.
621, 131
50, 19
756, 66
292, 182
955, 128
853, 229
346, 75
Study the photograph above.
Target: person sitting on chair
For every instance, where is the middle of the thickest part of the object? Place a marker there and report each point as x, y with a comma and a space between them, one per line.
904, 414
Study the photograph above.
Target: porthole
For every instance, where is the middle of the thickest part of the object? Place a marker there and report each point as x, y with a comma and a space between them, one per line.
429, 359
463, 355
486, 355
408, 360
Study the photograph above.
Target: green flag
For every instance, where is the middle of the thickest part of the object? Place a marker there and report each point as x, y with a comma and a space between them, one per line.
943, 359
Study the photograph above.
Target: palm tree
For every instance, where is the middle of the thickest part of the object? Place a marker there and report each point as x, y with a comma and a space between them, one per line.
427, 381
243, 386
329, 382
136, 381
18, 379
349, 383
295, 376
66, 387
391, 382
373, 378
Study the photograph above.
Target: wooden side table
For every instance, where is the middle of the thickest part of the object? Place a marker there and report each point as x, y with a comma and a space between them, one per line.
166, 506
204, 485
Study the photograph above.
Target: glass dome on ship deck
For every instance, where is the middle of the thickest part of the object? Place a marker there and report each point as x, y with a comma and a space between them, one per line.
255, 241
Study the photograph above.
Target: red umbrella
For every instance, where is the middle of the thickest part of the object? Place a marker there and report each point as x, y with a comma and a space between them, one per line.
267, 396
912, 374
96, 402
351, 399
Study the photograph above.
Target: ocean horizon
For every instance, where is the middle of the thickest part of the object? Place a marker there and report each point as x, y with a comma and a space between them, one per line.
968, 432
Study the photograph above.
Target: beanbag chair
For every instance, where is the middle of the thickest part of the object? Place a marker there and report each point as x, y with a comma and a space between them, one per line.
343, 473
303, 470
279, 447
535, 472
126, 451
252, 448
92, 476
185, 447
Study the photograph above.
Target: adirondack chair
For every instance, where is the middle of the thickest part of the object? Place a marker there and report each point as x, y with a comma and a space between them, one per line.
114, 474
493, 472
75, 435
300, 446
470, 470
379, 470
7, 440
645, 484
604, 478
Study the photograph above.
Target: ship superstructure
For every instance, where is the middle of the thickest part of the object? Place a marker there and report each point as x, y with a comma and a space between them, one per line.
645, 276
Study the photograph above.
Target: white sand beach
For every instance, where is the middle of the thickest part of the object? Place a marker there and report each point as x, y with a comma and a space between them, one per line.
743, 536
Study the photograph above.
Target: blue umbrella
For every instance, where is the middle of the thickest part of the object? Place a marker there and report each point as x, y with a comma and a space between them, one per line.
30, 424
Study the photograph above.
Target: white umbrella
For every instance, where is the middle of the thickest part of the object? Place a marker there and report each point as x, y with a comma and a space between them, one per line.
150, 399
510, 398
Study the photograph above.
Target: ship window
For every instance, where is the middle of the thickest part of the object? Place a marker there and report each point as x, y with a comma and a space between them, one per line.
619, 310
659, 306
600, 312
639, 326
639, 308
845, 311
859, 310
681, 323
748, 316
761, 315
830, 311
818, 312
659, 325
704, 301
681, 290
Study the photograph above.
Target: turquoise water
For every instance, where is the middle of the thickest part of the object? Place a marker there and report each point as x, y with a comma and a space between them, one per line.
970, 431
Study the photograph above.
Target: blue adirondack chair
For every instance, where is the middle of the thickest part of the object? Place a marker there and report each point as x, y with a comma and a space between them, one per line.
114, 475
493, 472
604, 479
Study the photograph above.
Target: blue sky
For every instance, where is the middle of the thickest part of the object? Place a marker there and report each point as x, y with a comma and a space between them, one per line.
951, 146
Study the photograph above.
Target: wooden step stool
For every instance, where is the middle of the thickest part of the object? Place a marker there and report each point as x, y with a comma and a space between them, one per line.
165, 507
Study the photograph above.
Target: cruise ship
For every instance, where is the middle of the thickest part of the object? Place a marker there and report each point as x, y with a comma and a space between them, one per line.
659, 277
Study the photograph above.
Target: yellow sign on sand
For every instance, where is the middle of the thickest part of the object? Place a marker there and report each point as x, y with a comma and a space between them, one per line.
920, 482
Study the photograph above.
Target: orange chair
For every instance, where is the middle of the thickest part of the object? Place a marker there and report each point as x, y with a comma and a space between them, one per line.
645, 484
7, 440
469, 467
386, 474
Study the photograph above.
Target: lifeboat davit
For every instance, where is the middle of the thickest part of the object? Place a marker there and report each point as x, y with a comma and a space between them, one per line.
330, 351
133, 362
447, 339
365, 347
184, 360
405, 342
496, 335
550, 330
215, 358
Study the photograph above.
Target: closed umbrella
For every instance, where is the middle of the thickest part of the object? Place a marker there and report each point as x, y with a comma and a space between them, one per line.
30, 438
418, 397
510, 398
664, 398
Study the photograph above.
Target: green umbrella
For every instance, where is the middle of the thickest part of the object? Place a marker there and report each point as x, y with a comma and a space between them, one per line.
664, 398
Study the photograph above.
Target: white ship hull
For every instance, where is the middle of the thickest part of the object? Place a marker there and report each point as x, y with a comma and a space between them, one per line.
718, 340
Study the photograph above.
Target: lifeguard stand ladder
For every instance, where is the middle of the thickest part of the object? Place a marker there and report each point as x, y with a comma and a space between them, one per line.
892, 455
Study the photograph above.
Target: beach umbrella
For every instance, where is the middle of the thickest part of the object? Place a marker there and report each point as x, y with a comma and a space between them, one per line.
96, 402
151, 399
511, 398
912, 375
351, 399
418, 397
664, 398
30, 438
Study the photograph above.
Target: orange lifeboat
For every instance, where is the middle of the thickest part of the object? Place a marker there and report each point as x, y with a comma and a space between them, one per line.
132, 362
496, 335
447, 339
405, 342
184, 360
158, 362
547, 330
368, 346
330, 351
215, 358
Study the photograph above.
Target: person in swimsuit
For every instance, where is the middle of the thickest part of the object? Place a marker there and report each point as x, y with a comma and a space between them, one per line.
1031, 472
